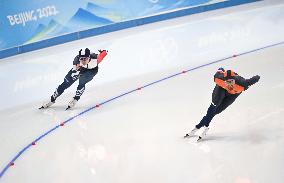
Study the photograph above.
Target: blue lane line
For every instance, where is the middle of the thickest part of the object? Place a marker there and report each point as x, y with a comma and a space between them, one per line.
11, 163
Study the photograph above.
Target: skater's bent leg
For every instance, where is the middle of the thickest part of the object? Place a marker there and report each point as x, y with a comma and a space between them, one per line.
79, 92
228, 100
217, 98
68, 81
208, 117
83, 80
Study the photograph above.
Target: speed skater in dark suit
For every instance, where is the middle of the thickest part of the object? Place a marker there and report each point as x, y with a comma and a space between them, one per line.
229, 85
84, 69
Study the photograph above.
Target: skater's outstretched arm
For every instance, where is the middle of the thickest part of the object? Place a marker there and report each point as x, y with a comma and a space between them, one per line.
246, 83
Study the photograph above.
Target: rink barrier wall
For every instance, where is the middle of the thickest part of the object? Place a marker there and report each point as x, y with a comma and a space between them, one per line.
118, 26
139, 88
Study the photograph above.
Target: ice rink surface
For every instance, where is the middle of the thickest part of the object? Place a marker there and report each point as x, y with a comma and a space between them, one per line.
139, 137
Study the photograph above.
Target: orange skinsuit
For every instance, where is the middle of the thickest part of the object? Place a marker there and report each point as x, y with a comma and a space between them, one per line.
229, 85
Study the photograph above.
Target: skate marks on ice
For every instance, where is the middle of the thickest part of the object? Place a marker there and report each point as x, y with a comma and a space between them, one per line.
196, 138
261, 130
250, 136
204, 147
266, 117
208, 144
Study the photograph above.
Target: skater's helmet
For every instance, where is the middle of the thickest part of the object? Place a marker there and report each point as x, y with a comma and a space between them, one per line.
221, 69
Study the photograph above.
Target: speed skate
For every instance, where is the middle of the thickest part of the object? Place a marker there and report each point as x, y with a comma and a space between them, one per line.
192, 134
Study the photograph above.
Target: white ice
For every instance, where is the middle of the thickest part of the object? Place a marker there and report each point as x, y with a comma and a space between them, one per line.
139, 137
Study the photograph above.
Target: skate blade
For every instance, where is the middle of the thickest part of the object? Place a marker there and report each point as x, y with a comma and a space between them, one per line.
199, 139
42, 107
189, 136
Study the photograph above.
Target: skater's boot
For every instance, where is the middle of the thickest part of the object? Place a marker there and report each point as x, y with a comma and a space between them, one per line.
204, 133
52, 100
191, 134
72, 103
44, 106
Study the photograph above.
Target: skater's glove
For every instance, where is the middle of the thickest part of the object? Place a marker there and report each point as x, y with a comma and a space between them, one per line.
102, 51
257, 77
251, 81
254, 79
75, 74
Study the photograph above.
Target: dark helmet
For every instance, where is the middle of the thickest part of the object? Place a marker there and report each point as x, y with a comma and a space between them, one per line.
87, 53
221, 69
